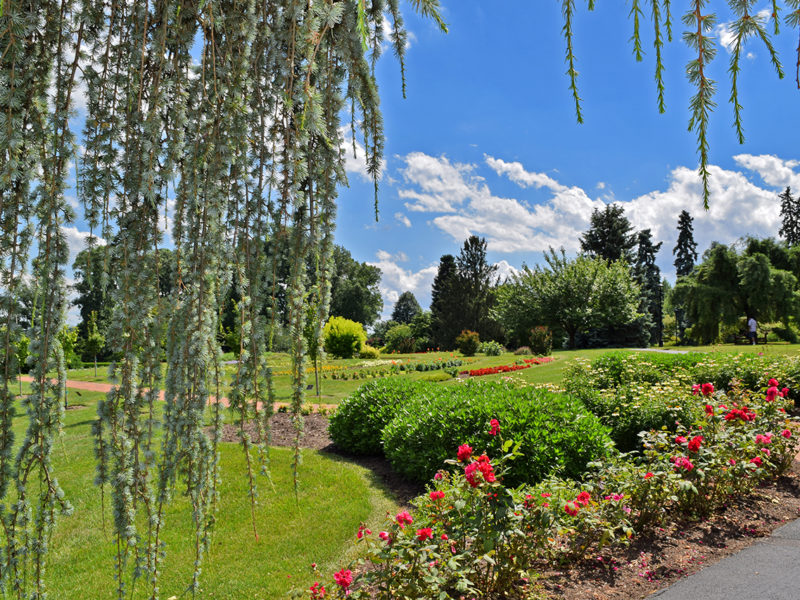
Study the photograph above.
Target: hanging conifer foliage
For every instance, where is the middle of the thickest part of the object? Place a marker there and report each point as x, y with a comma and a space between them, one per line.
219, 123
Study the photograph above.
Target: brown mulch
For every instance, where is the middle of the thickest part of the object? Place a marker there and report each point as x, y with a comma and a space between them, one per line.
677, 550
649, 563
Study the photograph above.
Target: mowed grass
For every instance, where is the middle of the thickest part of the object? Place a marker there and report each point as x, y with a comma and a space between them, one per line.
333, 391
335, 496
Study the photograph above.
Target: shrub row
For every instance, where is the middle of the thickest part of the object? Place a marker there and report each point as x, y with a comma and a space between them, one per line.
475, 535
421, 424
634, 392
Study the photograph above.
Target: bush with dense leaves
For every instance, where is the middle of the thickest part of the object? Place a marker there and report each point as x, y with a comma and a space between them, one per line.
359, 419
467, 342
491, 348
555, 431
541, 341
369, 352
342, 337
400, 339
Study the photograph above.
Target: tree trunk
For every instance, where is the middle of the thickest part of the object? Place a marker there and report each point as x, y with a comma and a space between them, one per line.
95, 365
316, 376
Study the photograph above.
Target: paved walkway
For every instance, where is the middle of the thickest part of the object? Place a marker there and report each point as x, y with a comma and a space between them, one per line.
94, 386
767, 570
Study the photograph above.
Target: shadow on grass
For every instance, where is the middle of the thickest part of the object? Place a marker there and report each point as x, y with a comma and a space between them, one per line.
381, 474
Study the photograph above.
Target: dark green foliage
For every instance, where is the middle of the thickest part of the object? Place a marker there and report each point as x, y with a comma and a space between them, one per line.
685, 252
400, 339
609, 236
406, 308
354, 288
556, 432
685, 249
446, 304
378, 336
648, 276
790, 218
477, 281
359, 419
541, 341
578, 296
727, 286
468, 342
421, 331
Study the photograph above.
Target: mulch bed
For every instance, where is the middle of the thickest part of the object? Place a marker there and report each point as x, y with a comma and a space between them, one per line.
634, 572
671, 553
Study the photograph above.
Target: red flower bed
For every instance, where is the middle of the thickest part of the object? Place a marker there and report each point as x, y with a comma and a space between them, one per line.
528, 363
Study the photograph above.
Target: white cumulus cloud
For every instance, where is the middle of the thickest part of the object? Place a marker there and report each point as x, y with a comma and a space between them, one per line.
396, 279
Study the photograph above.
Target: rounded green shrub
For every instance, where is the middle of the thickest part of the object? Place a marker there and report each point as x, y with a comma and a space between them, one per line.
555, 431
369, 352
400, 339
359, 419
541, 341
342, 337
491, 348
467, 342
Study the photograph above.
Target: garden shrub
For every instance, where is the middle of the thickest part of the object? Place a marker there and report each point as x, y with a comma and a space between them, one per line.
342, 337
523, 351
491, 348
369, 352
400, 339
541, 341
473, 534
467, 342
555, 431
437, 376
359, 419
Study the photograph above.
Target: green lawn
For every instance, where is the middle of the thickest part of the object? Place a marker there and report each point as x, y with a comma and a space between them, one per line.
334, 391
335, 496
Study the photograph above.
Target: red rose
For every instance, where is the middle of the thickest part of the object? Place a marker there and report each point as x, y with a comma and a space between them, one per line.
709, 410
344, 578
583, 498
403, 519
425, 533
773, 382
786, 433
772, 393
708, 389
437, 495
648, 475
694, 444
464, 453
571, 508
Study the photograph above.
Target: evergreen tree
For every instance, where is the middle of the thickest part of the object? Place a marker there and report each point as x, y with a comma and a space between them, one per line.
406, 308
685, 249
609, 235
477, 282
446, 304
790, 217
685, 252
648, 276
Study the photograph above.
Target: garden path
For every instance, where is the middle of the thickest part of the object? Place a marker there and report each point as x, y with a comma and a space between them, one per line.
95, 386
767, 569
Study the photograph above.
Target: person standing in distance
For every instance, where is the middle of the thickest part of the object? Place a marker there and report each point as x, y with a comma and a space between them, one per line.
751, 330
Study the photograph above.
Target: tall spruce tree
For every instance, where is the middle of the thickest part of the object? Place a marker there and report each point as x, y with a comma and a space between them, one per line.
648, 276
478, 280
406, 308
685, 252
446, 305
790, 218
609, 235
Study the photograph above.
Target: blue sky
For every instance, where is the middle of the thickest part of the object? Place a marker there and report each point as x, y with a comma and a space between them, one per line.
487, 141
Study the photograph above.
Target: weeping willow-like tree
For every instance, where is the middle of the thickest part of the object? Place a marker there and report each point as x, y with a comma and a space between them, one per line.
220, 123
